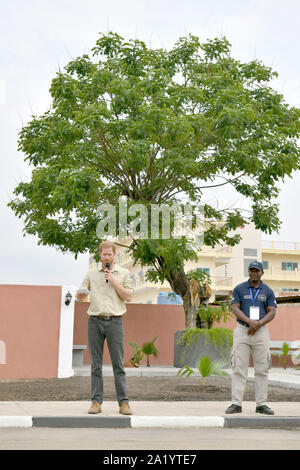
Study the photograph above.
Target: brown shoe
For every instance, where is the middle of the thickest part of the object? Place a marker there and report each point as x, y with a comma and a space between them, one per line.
95, 408
125, 409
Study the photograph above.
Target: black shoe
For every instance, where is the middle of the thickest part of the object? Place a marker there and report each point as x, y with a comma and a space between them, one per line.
233, 409
264, 409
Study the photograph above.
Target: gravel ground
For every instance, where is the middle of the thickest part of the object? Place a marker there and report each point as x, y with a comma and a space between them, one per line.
139, 388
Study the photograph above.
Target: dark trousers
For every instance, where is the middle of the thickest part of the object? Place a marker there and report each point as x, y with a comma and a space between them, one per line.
111, 330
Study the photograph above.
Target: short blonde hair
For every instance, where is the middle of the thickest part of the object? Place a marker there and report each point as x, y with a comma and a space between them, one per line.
107, 244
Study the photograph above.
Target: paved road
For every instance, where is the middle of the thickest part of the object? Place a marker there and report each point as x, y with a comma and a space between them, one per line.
154, 438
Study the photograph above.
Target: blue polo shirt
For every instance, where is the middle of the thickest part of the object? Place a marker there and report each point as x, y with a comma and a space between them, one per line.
265, 298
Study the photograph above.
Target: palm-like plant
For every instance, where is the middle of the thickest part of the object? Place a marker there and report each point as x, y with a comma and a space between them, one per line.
138, 354
206, 367
149, 349
282, 356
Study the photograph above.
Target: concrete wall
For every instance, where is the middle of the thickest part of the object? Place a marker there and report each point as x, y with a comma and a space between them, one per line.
142, 323
285, 326
29, 331
37, 330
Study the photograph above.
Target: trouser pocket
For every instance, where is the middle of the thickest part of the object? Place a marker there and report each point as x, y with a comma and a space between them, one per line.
233, 360
269, 360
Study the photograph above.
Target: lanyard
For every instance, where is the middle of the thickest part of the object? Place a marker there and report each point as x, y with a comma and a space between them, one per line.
251, 294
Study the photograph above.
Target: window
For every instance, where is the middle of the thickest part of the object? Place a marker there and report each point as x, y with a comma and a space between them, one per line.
250, 252
169, 298
265, 264
289, 266
246, 265
199, 238
132, 276
149, 301
205, 270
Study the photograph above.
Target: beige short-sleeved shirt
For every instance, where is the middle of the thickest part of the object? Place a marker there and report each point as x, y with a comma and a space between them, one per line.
103, 297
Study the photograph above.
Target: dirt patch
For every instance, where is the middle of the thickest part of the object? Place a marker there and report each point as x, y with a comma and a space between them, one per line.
139, 388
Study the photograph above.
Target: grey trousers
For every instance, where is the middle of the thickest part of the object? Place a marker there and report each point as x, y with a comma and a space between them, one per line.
258, 345
111, 330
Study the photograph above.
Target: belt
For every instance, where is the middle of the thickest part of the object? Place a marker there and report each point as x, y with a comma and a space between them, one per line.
243, 323
104, 317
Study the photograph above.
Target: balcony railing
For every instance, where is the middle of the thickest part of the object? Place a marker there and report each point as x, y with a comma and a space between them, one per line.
124, 258
280, 245
217, 283
279, 274
222, 282
218, 251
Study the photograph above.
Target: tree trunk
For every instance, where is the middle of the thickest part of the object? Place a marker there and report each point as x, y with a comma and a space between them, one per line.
193, 295
189, 310
181, 286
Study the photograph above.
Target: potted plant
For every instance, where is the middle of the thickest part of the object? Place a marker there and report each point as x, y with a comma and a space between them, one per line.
205, 339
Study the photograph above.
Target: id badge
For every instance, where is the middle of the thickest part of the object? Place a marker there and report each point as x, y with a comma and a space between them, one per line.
254, 313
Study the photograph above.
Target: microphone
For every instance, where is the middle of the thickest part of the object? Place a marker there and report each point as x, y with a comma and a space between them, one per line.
107, 265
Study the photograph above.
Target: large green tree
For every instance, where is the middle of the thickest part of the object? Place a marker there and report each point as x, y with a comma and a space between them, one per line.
156, 126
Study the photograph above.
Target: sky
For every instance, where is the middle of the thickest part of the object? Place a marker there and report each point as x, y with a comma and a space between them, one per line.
40, 36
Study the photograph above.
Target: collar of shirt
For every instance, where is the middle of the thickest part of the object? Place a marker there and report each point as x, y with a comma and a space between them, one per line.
258, 287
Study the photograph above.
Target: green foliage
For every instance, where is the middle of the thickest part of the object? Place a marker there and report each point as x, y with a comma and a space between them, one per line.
164, 256
159, 127
147, 349
211, 315
206, 367
199, 275
138, 353
154, 125
150, 349
282, 356
221, 337
285, 349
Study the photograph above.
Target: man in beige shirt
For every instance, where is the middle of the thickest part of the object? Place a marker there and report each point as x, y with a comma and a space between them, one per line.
109, 287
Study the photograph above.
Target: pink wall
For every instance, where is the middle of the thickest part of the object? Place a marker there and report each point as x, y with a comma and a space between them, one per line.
142, 322
29, 327
284, 327
286, 324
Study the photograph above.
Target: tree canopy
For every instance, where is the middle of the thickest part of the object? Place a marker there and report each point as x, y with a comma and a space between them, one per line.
156, 126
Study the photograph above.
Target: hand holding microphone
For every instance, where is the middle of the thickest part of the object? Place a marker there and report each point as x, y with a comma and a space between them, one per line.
107, 265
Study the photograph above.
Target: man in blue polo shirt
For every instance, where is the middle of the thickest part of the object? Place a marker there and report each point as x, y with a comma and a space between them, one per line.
254, 305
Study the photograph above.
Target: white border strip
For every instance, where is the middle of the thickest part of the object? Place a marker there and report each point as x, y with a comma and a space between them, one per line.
177, 421
66, 327
15, 421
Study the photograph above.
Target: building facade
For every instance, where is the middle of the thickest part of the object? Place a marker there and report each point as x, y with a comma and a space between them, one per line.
281, 266
227, 266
